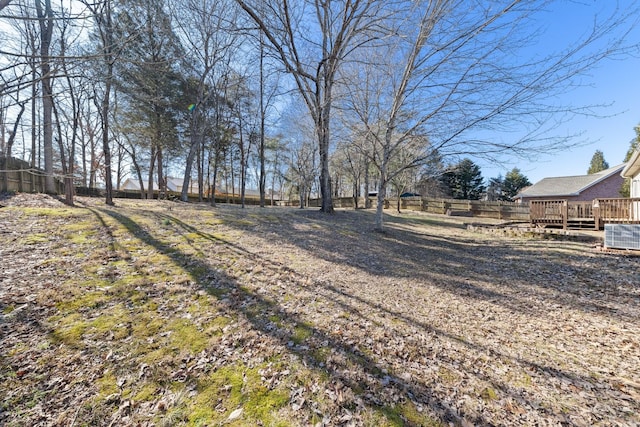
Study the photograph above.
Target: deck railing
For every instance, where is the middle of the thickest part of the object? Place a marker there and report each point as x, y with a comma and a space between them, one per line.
549, 212
580, 210
597, 213
618, 210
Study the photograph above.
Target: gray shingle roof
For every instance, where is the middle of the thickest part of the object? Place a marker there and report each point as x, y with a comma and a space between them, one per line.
568, 185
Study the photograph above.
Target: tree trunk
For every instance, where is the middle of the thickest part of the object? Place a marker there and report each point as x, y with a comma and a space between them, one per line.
200, 159
152, 163
195, 139
263, 177
107, 41
45, 19
162, 184
34, 92
325, 176
379, 225
13, 134
215, 177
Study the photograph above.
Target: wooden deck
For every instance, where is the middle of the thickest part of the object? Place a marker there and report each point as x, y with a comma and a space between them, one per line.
584, 215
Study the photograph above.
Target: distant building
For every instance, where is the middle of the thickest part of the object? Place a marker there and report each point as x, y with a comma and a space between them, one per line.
173, 184
605, 184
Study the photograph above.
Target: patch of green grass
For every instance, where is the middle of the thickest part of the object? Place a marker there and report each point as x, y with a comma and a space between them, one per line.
225, 384
276, 320
242, 222
79, 232
18, 348
54, 212
185, 335
117, 321
447, 376
519, 379
35, 239
86, 300
198, 272
147, 393
489, 394
51, 261
216, 326
36, 397
237, 387
107, 385
406, 414
147, 324
301, 333
69, 329
260, 403
193, 236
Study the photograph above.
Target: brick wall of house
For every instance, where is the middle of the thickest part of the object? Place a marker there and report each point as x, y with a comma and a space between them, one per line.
609, 188
606, 189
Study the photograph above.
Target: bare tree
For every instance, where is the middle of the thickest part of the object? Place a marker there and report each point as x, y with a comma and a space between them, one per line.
205, 27
102, 12
45, 20
312, 39
453, 69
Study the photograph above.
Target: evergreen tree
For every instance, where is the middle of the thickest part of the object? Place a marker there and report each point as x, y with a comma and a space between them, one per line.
495, 188
514, 181
149, 79
465, 180
598, 163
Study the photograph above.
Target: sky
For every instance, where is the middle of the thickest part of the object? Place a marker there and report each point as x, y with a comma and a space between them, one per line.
614, 83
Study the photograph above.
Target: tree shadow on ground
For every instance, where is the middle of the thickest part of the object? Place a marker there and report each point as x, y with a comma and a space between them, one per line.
258, 309
490, 269
439, 261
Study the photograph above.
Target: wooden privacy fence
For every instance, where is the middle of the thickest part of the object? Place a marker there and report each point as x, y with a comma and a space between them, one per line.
498, 210
17, 175
338, 202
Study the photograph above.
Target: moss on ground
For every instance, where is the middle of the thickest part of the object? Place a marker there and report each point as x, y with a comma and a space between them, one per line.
404, 414
236, 387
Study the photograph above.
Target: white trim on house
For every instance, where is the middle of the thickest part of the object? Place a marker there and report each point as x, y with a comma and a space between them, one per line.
632, 168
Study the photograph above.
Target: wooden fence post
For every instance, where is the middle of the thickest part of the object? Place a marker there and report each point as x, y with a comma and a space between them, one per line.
596, 214
565, 214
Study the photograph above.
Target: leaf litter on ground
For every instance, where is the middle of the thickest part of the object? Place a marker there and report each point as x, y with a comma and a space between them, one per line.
164, 313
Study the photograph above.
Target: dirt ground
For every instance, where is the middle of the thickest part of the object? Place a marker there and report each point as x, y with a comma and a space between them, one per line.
164, 313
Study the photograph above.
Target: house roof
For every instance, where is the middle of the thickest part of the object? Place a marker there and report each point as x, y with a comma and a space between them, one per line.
633, 166
173, 184
563, 186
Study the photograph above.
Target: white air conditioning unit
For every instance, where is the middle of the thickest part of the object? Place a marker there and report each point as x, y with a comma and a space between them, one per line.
622, 236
